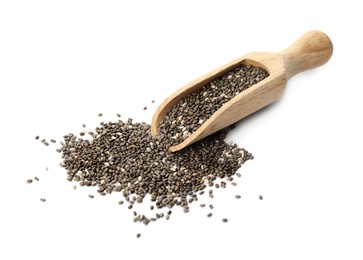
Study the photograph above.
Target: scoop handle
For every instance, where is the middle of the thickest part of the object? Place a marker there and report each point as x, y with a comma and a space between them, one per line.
311, 50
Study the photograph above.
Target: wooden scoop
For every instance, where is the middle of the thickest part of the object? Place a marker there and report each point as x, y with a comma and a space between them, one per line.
311, 50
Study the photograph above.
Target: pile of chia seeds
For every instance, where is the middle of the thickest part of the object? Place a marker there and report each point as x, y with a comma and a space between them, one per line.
124, 157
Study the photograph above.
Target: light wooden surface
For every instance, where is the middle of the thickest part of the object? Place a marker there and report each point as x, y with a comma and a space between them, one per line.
311, 50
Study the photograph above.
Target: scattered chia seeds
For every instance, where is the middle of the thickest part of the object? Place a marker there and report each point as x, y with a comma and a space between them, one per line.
74, 187
238, 196
42, 200
37, 137
99, 114
91, 196
29, 181
224, 220
36, 178
209, 215
260, 197
131, 161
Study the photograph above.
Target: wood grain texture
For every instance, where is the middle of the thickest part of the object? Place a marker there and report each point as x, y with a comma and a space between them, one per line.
311, 50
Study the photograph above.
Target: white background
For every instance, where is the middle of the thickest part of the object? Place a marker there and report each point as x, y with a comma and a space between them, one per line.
63, 62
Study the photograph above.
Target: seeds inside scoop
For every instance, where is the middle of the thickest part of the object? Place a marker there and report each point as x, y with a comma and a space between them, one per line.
196, 108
